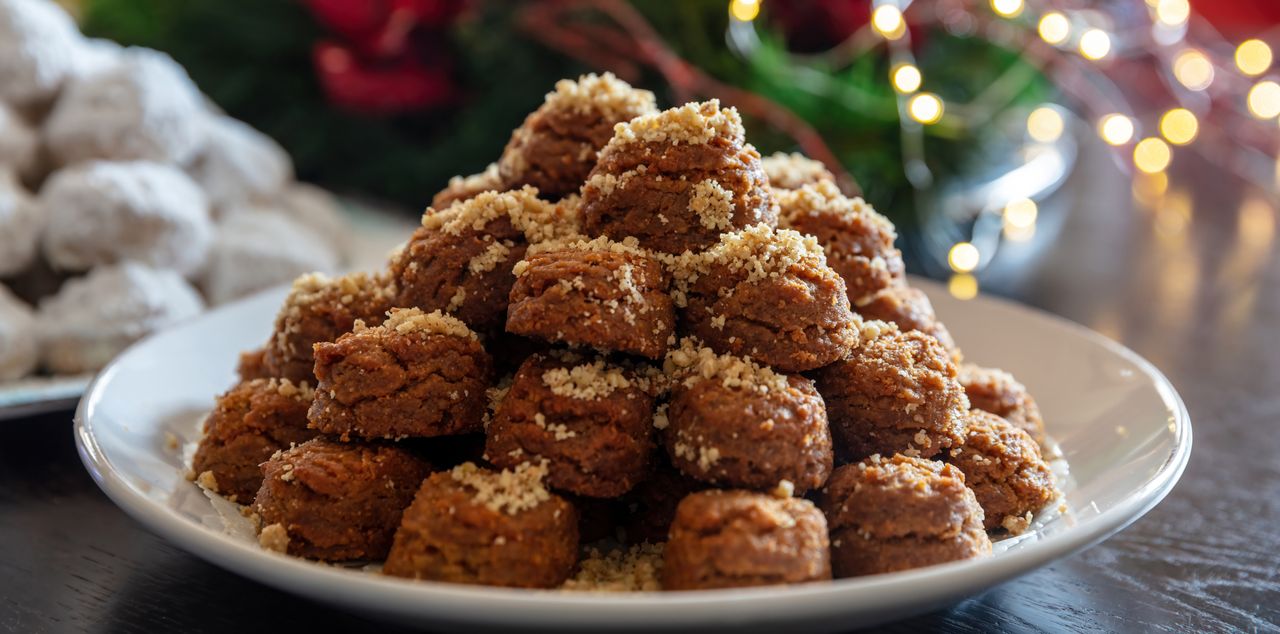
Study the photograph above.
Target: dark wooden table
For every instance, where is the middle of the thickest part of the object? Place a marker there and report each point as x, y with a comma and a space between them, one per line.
1191, 282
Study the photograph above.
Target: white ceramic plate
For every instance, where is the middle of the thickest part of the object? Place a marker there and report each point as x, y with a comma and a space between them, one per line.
1123, 430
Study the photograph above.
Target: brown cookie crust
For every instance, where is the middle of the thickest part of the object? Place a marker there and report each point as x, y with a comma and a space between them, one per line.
676, 180
459, 261
739, 425
555, 148
1003, 466
520, 536
896, 392
590, 420
900, 513
858, 242
416, 375
793, 171
998, 392
768, 295
321, 309
599, 294
734, 539
910, 309
248, 424
338, 501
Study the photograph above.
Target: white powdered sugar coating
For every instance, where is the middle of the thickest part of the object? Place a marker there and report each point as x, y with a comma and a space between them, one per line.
145, 107
19, 143
93, 318
19, 349
21, 222
239, 163
257, 248
102, 212
37, 40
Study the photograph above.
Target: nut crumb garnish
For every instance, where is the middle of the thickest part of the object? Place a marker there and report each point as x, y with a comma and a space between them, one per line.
508, 491
274, 537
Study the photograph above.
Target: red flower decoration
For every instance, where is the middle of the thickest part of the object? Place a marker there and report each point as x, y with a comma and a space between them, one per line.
389, 59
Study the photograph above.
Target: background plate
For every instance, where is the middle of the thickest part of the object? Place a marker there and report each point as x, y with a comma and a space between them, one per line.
1120, 424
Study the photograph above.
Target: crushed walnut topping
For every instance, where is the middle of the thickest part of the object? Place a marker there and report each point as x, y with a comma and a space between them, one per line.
537, 219
691, 124
794, 170
509, 491
713, 204
412, 320
693, 362
634, 569
757, 252
274, 537
611, 97
587, 381
824, 198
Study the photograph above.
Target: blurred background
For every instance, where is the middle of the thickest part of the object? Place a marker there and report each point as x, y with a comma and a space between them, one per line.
980, 127
957, 118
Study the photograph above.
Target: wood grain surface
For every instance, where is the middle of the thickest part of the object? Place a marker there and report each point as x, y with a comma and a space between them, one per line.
1191, 281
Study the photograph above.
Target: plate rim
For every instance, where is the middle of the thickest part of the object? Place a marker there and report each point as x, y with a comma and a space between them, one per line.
891, 593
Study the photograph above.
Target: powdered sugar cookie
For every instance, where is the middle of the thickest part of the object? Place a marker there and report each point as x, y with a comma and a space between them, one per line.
102, 212
144, 107
20, 225
257, 250
18, 349
92, 318
239, 163
36, 42
319, 210
19, 144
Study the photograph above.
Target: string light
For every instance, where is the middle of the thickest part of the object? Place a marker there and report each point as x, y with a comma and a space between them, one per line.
1007, 8
1173, 12
1179, 126
1020, 213
744, 10
1152, 155
888, 22
1116, 129
1054, 27
1264, 99
963, 257
1044, 124
1253, 57
926, 108
1193, 69
963, 286
1095, 44
906, 78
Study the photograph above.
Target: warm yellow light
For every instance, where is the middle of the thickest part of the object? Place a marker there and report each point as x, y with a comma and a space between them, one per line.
1044, 124
963, 286
1021, 213
1054, 27
887, 21
1019, 234
1179, 126
1007, 8
963, 257
1264, 99
1193, 69
1173, 12
1095, 44
744, 10
1253, 57
906, 78
1152, 155
1148, 189
925, 108
1115, 129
